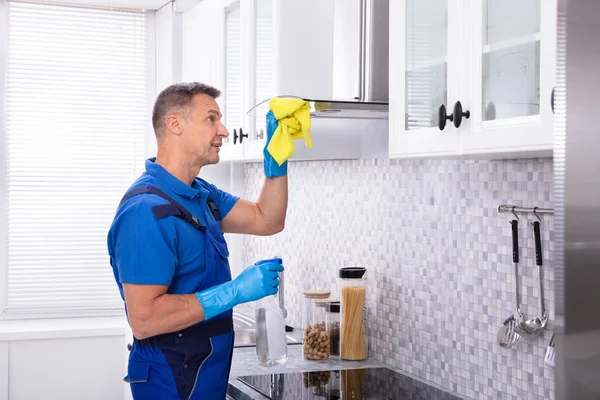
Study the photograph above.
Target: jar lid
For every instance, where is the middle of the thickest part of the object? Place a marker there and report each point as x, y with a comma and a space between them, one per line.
316, 294
321, 302
333, 306
352, 272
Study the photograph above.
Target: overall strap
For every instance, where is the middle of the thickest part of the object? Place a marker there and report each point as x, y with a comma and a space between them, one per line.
214, 209
165, 210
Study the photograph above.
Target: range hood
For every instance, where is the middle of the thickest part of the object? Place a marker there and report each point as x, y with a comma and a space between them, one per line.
358, 45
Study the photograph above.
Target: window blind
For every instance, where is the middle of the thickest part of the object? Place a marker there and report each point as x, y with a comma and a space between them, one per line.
77, 118
233, 70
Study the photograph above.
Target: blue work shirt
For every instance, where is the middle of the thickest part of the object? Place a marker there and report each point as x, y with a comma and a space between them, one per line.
169, 251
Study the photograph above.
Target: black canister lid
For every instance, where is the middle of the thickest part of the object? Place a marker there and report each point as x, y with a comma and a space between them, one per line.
352, 272
333, 307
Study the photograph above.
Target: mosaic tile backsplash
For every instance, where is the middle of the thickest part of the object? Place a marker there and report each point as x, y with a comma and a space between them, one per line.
438, 259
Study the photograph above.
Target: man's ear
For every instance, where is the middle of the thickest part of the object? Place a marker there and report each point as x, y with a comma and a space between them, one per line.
173, 124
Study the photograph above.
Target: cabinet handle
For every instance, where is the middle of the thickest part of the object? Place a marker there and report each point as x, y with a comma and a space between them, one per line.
242, 136
459, 114
442, 117
552, 100
235, 136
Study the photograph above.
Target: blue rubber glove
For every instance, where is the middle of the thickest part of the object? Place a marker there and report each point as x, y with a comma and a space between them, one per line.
271, 167
255, 282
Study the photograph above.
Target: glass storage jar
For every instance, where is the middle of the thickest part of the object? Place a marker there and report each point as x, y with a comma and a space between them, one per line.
332, 324
353, 328
318, 338
310, 321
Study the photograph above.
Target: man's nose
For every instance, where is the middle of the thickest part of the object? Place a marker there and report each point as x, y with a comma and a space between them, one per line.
223, 131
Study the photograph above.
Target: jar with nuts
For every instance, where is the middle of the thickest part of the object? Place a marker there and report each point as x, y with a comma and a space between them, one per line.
316, 344
312, 324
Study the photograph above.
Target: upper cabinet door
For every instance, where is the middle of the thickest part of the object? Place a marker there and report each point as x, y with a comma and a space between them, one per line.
198, 26
424, 77
512, 75
231, 101
215, 26
261, 73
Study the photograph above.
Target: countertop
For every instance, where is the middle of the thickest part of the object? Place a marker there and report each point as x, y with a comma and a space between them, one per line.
244, 363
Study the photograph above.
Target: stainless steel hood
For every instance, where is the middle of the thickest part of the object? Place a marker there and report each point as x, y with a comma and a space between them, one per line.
360, 60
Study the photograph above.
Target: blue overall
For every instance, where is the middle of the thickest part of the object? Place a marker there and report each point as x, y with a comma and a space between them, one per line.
193, 363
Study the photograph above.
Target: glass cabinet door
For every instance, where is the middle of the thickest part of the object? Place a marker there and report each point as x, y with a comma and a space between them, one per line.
510, 59
232, 81
512, 75
426, 62
422, 33
264, 73
262, 79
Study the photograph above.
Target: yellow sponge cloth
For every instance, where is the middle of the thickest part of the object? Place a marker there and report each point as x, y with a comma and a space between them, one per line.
293, 116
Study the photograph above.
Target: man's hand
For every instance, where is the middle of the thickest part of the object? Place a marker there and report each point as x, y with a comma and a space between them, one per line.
270, 165
258, 281
255, 282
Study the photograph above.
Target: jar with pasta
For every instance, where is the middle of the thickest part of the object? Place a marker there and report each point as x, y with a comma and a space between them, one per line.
353, 328
314, 327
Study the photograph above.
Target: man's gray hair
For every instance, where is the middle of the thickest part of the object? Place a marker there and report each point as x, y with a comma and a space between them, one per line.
178, 96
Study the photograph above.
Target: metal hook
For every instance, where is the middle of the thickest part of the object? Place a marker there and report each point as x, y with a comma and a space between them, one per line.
513, 212
536, 214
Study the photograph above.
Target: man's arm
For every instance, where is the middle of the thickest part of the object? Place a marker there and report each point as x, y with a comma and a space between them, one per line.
152, 311
266, 216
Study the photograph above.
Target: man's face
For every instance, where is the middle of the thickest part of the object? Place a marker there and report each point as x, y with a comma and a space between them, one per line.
203, 131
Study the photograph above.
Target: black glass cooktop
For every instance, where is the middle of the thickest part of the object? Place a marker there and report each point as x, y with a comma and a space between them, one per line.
359, 384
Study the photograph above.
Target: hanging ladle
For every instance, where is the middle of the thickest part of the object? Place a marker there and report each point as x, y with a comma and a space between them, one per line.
508, 334
536, 325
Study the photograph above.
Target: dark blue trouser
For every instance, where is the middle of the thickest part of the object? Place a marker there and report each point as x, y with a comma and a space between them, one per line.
193, 363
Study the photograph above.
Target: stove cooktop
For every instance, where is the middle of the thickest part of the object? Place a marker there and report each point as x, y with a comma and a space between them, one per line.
359, 384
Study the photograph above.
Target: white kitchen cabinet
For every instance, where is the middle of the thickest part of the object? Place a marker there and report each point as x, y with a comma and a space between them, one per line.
424, 74
512, 64
231, 76
253, 50
495, 57
259, 82
283, 57
212, 54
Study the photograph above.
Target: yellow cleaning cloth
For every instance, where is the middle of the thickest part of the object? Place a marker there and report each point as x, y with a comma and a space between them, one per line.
293, 116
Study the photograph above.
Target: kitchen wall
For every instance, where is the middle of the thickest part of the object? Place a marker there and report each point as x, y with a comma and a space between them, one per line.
438, 256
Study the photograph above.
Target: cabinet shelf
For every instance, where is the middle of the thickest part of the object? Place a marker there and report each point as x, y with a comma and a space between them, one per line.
427, 64
510, 43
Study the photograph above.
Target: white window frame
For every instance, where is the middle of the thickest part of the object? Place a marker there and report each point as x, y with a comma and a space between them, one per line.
46, 327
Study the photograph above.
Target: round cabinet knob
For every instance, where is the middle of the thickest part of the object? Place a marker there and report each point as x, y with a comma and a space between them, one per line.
235, 136
242, 135
442, 117
459, 114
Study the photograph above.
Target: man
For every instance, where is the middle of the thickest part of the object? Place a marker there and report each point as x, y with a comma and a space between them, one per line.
169, 256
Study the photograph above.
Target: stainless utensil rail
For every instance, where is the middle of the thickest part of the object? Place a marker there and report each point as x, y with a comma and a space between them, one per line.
504, 208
